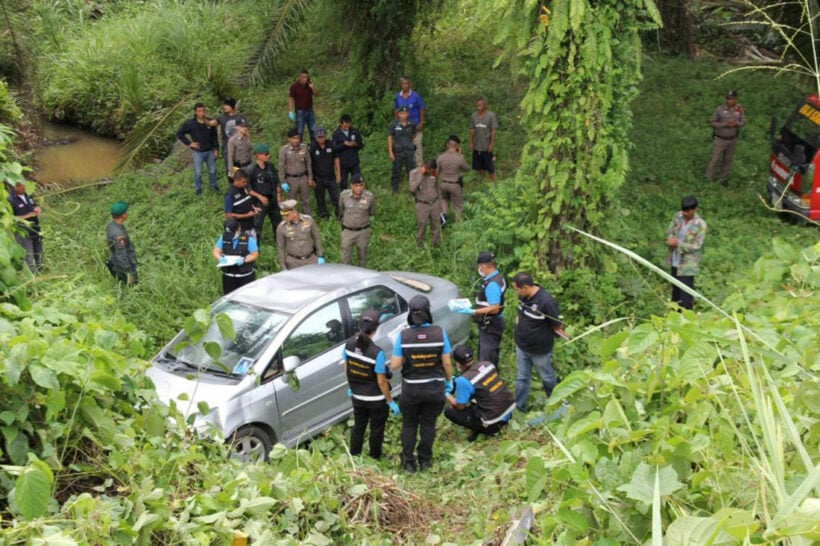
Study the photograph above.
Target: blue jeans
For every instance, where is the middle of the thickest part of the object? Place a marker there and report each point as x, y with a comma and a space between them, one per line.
305, 117
524, 363
199, 159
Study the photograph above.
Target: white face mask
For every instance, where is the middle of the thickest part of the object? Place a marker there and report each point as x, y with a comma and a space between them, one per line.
480, 274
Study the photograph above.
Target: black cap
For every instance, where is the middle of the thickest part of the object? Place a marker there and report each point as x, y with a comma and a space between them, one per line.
230, 101
403, 109
292, 132
242, 121
485, 257
419, 314
688, 203
356, 179
462, 354
231, 224
369, 320
454, 138
731, 94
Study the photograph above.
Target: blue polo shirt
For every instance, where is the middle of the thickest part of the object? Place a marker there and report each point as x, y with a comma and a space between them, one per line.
493, 292
378, 367
445, 349
413, 103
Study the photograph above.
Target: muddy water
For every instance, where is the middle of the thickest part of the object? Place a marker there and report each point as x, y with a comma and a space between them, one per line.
72, 156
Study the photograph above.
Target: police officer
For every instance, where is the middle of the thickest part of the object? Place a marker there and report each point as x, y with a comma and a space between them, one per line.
239, 203
295, 168
489, 307
400, 146
726, 122
369, 388
25, 210
450, 165
482, 402
123, 261
326, 172
236, 251
348, 142
424, 185
265, 190
358, 206
297, 238
422, 351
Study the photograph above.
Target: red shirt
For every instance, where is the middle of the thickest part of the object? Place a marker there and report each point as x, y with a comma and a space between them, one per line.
302, 96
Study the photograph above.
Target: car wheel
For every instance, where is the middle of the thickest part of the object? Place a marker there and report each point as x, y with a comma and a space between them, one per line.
250, 444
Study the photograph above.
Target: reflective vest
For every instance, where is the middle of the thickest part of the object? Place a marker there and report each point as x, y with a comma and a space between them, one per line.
422, 347
481, 296
493, 399
361, 371
241, 249
242, 204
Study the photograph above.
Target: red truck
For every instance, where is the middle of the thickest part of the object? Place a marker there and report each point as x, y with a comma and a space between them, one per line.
794, 166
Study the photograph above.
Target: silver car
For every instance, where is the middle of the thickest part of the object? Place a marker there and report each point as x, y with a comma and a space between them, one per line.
281, 378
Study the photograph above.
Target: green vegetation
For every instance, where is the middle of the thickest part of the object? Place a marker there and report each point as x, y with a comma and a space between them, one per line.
689, 428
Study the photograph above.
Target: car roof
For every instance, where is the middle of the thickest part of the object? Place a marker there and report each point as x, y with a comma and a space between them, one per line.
290, 290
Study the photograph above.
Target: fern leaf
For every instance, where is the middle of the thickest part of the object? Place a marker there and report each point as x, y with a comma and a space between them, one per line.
279, 36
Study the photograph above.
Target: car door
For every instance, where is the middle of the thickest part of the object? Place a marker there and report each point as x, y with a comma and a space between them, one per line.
315, 393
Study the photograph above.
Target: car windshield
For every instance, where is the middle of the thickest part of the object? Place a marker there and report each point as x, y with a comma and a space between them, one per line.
254, 329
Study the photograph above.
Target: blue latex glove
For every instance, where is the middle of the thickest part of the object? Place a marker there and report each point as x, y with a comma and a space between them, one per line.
223, 260
291, 116
285, 186
350, 393
464, 311
448, 386
321, 260
394, 407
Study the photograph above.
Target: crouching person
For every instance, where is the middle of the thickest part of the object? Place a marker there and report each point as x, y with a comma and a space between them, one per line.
482, 402
367, 376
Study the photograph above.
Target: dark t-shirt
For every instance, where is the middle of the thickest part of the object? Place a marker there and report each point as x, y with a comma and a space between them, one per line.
302, 96
323, 160
537, 318
264, 181
227, 125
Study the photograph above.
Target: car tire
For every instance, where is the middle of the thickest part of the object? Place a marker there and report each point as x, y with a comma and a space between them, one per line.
250, 444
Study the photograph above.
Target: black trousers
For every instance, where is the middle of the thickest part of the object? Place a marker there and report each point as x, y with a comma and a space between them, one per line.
684, 299
406, 160
376, 414
469, 419
346, 172
420, 404
489, 339
271, 210
330, 186
229, 284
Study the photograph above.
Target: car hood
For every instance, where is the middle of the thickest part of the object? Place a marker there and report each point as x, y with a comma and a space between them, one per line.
188, 390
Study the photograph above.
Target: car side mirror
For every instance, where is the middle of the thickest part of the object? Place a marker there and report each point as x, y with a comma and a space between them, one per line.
290, 363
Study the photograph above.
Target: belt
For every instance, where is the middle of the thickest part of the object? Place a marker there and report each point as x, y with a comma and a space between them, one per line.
451, 182
302, 257
236, 275
303, 173
427, 202
725, 138
356, 228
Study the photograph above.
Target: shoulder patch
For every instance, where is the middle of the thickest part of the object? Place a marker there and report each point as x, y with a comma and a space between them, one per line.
121, 241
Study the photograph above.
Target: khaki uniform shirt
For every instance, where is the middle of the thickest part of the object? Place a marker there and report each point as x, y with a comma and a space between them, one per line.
721, 118
240, 152
356, 213
299, 238
424, 187
450, 165
294, 162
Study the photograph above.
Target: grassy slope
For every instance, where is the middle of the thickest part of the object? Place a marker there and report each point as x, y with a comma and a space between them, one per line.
174, 231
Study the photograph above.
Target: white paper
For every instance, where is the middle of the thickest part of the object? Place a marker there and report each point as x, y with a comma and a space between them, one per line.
230, 260
460, 303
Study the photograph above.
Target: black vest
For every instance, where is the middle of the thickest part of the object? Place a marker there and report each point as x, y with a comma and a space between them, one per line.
492, 397
422, 347
361, 370
323, 158
481, 294
240, 250
242, 204
263, 180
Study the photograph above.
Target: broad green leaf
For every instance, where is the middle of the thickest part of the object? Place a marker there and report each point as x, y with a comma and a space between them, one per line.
611, 344
536, 478
99, 419
144, 521
738, 523
697, 531
43, 376
32, 489
574, 382
52, 536
641, 338
213, 349
223, 321
573, 519
614, 415
106, 379
642, 485
697, 361
584, 425
202, 407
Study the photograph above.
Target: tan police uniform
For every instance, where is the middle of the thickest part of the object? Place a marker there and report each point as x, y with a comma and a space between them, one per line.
298, 243
725, 138
450, 166
356, 214
428, 207
295, 169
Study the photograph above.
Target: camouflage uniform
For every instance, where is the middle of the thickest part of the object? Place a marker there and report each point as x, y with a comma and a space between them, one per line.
685, 258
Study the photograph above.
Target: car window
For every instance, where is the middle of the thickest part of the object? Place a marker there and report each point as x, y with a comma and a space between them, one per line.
384, 300
319, 332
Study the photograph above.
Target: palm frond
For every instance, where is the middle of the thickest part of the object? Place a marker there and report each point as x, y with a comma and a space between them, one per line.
279, 36
144, 137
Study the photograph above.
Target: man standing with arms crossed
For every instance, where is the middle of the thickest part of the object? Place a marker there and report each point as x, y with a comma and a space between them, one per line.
407, 98
483, 125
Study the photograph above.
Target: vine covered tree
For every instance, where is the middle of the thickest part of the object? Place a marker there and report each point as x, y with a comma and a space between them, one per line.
583, 59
